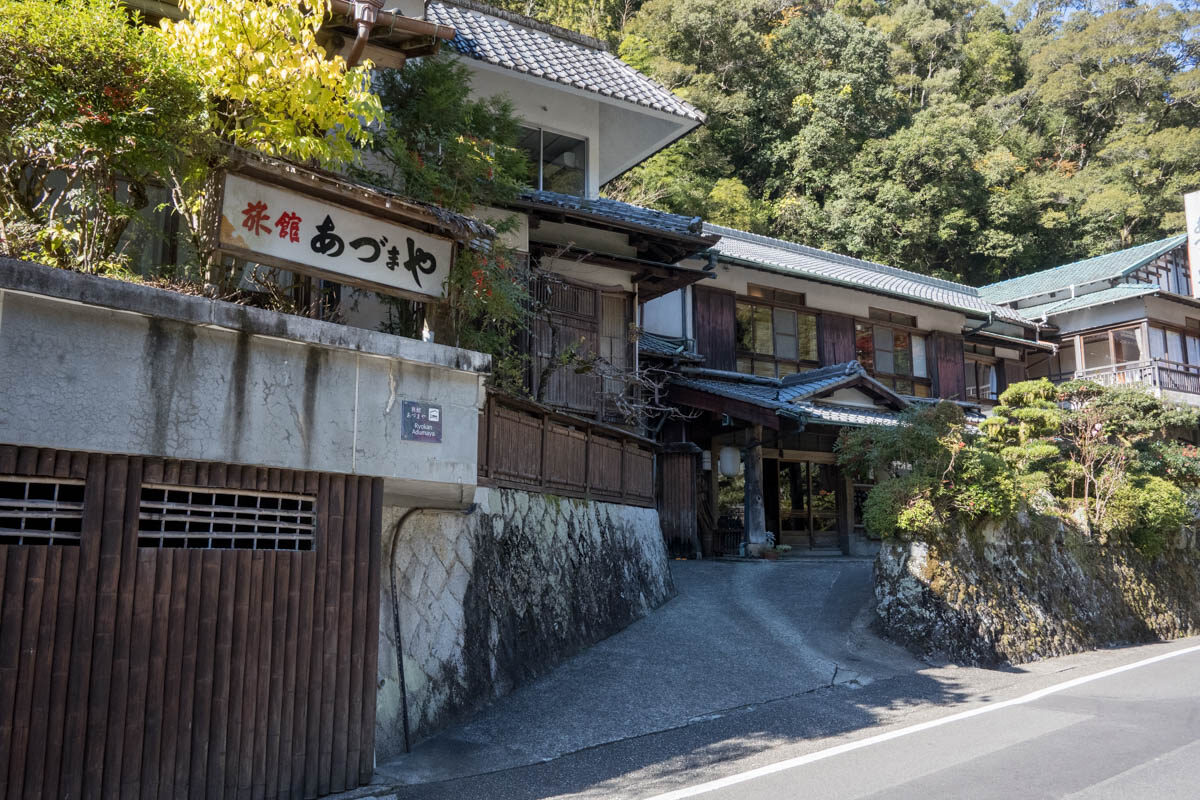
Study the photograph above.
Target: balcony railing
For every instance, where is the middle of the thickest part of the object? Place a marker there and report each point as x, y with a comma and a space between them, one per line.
1161, 374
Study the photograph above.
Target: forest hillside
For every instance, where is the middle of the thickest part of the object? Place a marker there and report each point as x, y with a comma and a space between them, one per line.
968, 139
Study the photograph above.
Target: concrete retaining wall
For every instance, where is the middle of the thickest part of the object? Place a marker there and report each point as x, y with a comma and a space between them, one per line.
93, 364
494, 598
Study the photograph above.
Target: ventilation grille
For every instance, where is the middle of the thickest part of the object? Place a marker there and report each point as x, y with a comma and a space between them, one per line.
45, 511
174, 516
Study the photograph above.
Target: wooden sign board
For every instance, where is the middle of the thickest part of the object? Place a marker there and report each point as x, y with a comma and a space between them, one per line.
291, 230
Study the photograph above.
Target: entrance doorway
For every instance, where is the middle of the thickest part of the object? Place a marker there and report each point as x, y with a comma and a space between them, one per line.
806, 508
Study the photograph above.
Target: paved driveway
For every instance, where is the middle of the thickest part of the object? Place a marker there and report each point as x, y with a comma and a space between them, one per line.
738, 635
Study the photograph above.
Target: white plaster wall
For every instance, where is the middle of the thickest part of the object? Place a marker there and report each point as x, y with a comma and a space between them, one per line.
540, 103
669, 315
1101, 316
605, 277
1170, 311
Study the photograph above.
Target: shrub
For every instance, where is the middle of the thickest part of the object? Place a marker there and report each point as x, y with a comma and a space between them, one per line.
1161, 511
901, 507
983, 485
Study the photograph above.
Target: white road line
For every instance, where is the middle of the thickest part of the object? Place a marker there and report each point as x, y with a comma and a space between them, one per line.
820, 755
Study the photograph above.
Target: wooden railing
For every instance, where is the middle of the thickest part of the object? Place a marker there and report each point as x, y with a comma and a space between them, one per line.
523, 445
1170, 376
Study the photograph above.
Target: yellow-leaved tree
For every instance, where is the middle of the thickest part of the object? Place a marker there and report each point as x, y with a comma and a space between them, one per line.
272, 88
269, 87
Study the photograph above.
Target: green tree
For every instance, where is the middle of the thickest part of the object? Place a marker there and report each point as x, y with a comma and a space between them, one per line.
93, 107
439, 145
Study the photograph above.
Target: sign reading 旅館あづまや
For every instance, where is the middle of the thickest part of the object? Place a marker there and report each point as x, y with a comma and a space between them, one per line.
294, 231
422, 422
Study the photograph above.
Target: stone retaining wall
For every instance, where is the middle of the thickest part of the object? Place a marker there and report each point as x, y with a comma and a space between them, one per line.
493, 598
1033, 589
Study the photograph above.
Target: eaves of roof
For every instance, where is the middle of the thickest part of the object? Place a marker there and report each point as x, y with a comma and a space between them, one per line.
625, 216
524, 45
810, 263
1113, 294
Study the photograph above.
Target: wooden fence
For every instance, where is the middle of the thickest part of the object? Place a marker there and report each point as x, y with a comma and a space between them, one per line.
523, 445
180, 629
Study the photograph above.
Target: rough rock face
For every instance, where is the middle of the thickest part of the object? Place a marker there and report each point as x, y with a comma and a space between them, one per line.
492, 599
1032, 589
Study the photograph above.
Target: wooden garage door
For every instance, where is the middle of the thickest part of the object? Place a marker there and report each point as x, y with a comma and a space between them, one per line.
183, 630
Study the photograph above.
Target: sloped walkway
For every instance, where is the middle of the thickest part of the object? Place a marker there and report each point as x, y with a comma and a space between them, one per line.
739, 634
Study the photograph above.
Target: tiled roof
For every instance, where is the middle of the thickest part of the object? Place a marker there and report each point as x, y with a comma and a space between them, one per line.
523, 45
1122, 291
790, 397
667, 347
820, 265
625, 213
848, 416
812, 382
1077, 273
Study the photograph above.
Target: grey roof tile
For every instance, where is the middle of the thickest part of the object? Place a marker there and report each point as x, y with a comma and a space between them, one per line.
1077, 273
793, 396
848, 416
668, 347
622, 212
560, 56
820, 265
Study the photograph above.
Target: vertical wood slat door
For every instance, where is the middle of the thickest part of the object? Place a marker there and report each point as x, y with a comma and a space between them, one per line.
163, 664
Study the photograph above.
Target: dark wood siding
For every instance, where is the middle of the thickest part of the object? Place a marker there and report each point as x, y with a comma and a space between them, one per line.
678, 502
835, 339
133, 670
713, 319
948, 365
1012, 371
527, 446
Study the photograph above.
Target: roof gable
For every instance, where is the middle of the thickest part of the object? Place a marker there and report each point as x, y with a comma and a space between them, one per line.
560, 56
1078, 273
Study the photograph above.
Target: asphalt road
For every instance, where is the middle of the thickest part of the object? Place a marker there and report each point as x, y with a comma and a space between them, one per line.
1134, 734
754, 664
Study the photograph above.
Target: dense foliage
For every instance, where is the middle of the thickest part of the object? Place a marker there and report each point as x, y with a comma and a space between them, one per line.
92, 109
1106, 457
967, 138
440, 145
95, 106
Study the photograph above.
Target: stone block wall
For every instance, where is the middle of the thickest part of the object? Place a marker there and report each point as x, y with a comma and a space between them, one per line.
1032, 588
492, 598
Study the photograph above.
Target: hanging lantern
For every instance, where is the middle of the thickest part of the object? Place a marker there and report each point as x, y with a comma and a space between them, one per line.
730, 461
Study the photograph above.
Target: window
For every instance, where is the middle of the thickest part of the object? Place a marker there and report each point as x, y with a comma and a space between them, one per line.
45, 511
982, 380
192, 517
896, 357
771, 339
1172, 345
558, 162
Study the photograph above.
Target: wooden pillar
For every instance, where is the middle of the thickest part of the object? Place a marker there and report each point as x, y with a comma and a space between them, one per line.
756, 514
845, 512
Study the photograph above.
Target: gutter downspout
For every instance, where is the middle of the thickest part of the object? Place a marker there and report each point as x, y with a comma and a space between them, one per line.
368, 13
991, 317
396, 612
